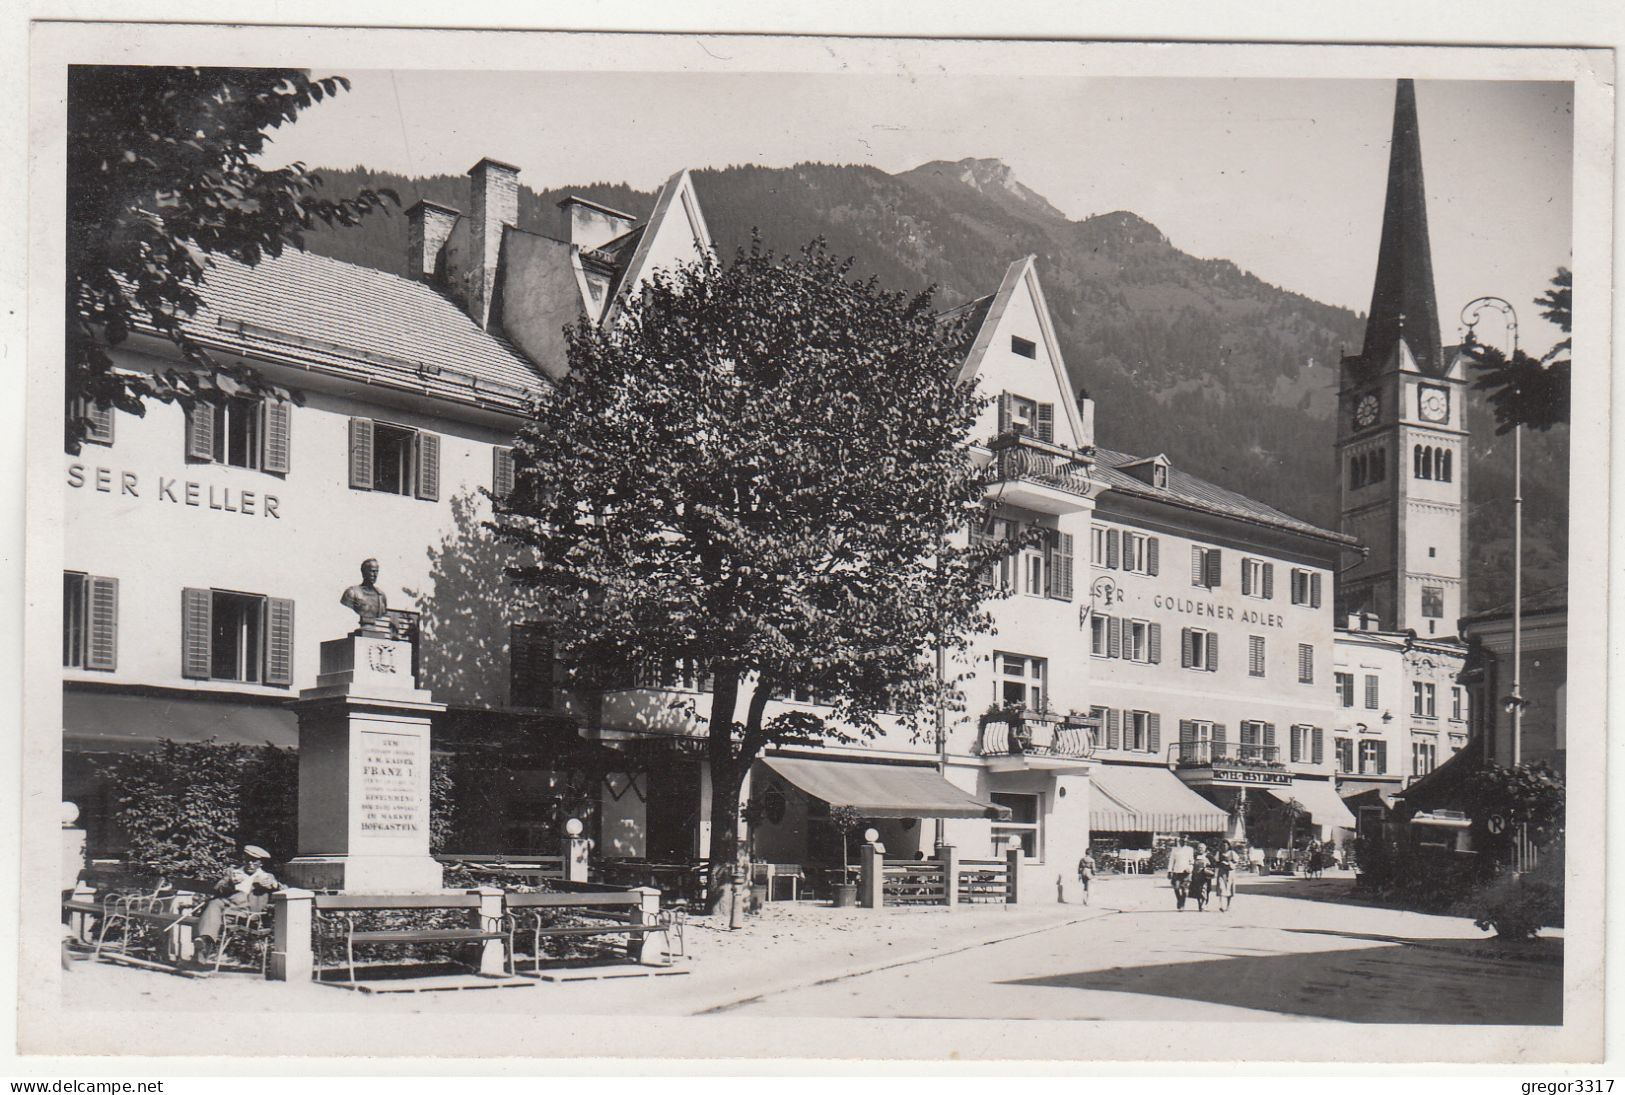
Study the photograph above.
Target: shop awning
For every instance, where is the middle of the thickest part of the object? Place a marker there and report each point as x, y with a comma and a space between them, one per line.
1319, 797
1148, 799
882, 790
121, 722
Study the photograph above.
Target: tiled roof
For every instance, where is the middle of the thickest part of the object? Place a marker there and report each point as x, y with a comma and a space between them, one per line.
977, 310
1555, 599
355, 321
1187, 490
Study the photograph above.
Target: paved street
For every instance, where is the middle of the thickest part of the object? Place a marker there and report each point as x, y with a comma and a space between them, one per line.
1271, 957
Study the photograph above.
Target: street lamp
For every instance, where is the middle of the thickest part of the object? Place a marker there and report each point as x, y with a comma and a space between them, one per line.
1514, 702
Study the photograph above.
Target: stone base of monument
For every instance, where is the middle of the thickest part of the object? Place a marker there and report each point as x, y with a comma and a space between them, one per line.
364, 772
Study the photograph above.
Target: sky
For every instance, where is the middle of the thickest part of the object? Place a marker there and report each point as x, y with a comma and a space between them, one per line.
1285, 178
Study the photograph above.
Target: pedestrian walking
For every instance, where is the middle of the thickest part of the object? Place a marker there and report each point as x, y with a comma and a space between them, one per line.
1086, 873
1201, 876
1181, 857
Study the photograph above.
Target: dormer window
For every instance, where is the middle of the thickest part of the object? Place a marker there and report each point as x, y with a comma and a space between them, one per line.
1153, 470
1159, 476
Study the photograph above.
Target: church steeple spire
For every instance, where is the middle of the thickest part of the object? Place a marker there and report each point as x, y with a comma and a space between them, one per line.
1403, 306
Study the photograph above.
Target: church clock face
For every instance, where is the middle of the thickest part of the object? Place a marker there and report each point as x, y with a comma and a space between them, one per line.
1434, 404
1365, 412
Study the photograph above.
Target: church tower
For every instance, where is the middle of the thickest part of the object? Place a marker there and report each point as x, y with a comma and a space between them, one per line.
1402, 423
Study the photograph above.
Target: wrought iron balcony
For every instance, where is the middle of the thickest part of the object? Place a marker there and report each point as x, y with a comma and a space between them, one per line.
1211, 754
1040, 737
1059, 474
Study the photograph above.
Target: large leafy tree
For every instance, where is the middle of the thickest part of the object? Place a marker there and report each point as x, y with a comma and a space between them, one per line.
161, 175
1526, 391
757, 473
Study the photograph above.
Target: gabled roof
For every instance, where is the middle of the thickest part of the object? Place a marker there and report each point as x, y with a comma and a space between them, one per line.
677, 197
1554, 600
356, 321
1022, 272
1185, 489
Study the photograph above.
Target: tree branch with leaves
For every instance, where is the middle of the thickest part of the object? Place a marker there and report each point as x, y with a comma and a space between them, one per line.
161, 175
1525, 391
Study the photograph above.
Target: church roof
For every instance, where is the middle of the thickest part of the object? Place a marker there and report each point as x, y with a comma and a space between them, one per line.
1403, 304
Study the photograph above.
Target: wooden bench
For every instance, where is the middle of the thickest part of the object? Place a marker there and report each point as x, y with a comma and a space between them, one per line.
344, 907
619, 913
158, 916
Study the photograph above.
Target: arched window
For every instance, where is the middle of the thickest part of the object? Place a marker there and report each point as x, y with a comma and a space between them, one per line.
1357, 472
1424, 465
1378, 470
1444, 465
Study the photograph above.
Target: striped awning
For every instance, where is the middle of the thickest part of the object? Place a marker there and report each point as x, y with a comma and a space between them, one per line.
1140, 798
883, 790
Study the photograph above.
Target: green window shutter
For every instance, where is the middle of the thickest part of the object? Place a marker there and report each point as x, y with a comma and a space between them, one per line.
101, 625
100, 422
1246, 579
200, 432
1061, 566
1382, 758
1114, 728
361, 454
1114, 548
428, 466
1212, 652
1314, 590
1155, 644
279, 641
1219, 735
501, 471
1187, 732
1319, 747
1269, 581
1213, 571
1370, 692
1269, 734
1198, 571
1006, 403
278, 435
1187, 641
1046, 422
1151, 553
1153, 723
197, 627
1114, 632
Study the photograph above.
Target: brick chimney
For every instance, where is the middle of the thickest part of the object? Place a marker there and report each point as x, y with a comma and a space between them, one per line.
427, 226
593, 225
494, 189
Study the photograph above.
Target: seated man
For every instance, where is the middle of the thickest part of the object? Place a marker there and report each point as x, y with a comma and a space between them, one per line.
245, 888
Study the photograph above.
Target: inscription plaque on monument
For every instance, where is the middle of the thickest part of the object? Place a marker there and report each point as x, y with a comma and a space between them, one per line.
391, 797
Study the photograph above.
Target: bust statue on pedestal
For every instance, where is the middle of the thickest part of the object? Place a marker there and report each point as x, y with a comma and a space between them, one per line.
368, 602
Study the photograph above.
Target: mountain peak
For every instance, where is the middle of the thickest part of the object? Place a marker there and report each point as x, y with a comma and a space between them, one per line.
1123, 227
992, 178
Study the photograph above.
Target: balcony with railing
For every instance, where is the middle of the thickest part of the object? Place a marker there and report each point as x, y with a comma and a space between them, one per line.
1034, 741
1043, 476
1236, 763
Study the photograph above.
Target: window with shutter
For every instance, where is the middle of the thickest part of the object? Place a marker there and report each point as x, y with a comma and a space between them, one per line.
101, 628
1214, 569
197, 627
1060, 568
1306, 664
200, 432
1006, 405
1246, 577
1314, 590
75, 618
1154, 732
1156, 644
1382, 758
1212, 652
278, 436
428, 466
1255, 655
1153, 566
1198, 566
1318, 736
1371, 692
1114, 728
1269, 735
1114, 547
361, 460
1046, 422
1220, 736
279, 641
530, 654
98, 421
1099, 644
1269, 581
1115, 629
501, 471
1187, 642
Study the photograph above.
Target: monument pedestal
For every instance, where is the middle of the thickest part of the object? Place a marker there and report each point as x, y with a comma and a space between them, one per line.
364, 771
